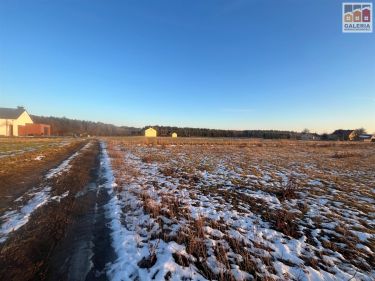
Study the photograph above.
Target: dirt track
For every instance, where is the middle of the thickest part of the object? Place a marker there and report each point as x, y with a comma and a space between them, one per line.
19, 173
60, 240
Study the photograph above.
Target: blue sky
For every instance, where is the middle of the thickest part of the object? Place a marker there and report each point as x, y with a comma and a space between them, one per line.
218, 64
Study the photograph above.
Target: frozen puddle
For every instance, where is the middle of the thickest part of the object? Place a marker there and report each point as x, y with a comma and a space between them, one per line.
19, 215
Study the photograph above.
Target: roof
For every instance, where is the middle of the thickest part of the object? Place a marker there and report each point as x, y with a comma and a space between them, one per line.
342, 132
11, 113
365, 136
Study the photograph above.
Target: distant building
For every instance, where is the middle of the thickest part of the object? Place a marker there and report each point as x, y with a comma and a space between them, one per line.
353, 136
341, 135
309, 136
174, 135
365, 137
17, 122
150, 133
34, 130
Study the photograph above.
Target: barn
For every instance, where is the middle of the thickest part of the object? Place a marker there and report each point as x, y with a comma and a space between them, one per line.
150, 133
17, 122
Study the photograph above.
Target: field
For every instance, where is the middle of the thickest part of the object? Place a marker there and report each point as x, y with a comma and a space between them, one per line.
17, 146
187, 209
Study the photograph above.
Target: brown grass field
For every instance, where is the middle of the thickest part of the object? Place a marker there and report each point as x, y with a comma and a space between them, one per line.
247, 209
187, 209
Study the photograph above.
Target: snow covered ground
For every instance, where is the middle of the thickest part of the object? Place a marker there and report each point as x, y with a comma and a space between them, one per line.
189, 212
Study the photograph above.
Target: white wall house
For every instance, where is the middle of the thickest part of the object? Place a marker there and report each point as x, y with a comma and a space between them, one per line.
11, 118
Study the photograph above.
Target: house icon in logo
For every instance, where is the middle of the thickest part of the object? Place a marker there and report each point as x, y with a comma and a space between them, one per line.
348, 13
357, 15
366, 14
348, 17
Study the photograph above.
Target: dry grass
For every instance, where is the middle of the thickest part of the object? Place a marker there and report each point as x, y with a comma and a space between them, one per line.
324, 180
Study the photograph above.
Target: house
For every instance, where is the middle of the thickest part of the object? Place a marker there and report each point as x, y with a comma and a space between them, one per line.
17, 122
366, 17
174, 135
357, 14
341, 135
150, 133
348, 17
309, 136
353, 136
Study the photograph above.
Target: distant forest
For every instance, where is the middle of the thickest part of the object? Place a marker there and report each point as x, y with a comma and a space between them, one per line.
71, 127
198, 132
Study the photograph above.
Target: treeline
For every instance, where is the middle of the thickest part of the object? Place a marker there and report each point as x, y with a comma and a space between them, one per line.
165, 131
71, 127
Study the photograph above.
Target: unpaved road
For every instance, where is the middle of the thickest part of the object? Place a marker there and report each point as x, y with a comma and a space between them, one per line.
53, 223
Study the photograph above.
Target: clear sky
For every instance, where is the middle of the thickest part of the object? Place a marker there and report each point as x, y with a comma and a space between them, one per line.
217, 64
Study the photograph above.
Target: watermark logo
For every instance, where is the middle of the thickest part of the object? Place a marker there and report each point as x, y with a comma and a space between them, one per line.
357, 17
